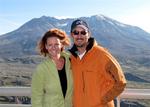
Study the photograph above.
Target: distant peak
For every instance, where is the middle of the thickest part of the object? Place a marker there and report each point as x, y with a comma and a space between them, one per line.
100, 16
45, 17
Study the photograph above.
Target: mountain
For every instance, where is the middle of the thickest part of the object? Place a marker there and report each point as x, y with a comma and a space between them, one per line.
134, 78
124, 41
127, 43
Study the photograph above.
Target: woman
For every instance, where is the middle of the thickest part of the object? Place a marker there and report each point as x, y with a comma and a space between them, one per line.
52, 82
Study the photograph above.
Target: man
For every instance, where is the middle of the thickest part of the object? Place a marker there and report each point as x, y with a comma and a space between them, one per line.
98, 77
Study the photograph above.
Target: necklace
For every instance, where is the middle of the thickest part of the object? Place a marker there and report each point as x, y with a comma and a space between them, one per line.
60, 63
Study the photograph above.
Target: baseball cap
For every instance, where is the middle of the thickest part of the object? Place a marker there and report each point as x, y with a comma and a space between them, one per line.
81, 23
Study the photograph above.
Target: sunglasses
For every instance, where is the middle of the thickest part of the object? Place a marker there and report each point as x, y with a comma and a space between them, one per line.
79, 32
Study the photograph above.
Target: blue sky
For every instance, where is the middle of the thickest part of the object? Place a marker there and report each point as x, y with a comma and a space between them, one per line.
14, 13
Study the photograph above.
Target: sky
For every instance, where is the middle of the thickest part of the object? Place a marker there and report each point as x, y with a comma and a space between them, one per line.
14, 13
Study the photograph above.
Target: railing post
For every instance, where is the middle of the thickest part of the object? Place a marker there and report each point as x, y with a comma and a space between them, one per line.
118, 101
17, 101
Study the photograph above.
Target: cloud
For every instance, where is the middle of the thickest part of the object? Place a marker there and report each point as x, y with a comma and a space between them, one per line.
11, 23
7, 26
138, 17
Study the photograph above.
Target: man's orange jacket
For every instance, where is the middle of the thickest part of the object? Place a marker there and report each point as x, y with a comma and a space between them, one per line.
98, 77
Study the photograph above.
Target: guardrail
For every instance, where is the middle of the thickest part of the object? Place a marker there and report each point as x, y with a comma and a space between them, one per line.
133, 94
26, 91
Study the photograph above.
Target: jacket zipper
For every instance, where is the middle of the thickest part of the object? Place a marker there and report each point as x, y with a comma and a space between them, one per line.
83, 80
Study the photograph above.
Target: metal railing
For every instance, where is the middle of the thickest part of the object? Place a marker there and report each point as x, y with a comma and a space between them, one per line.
26, 91
133, 94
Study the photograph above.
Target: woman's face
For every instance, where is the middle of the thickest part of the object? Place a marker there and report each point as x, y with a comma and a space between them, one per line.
53, 46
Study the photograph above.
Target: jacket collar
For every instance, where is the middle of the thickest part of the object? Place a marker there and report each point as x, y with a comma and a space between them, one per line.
74, 49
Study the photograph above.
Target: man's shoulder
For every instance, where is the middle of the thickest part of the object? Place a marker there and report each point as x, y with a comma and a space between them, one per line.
101, 48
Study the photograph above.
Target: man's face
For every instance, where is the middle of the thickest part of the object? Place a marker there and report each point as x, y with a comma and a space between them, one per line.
80, 37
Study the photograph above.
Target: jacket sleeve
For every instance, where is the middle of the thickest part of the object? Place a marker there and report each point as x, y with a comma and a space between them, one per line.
114, 70
37, 88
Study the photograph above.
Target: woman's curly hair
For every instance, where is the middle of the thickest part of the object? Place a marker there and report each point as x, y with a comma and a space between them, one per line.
64, 39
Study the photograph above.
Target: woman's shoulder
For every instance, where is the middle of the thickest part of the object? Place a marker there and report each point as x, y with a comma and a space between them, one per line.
44, 63
66, 54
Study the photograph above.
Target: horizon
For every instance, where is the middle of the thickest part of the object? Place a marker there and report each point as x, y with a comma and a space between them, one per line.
15, 13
